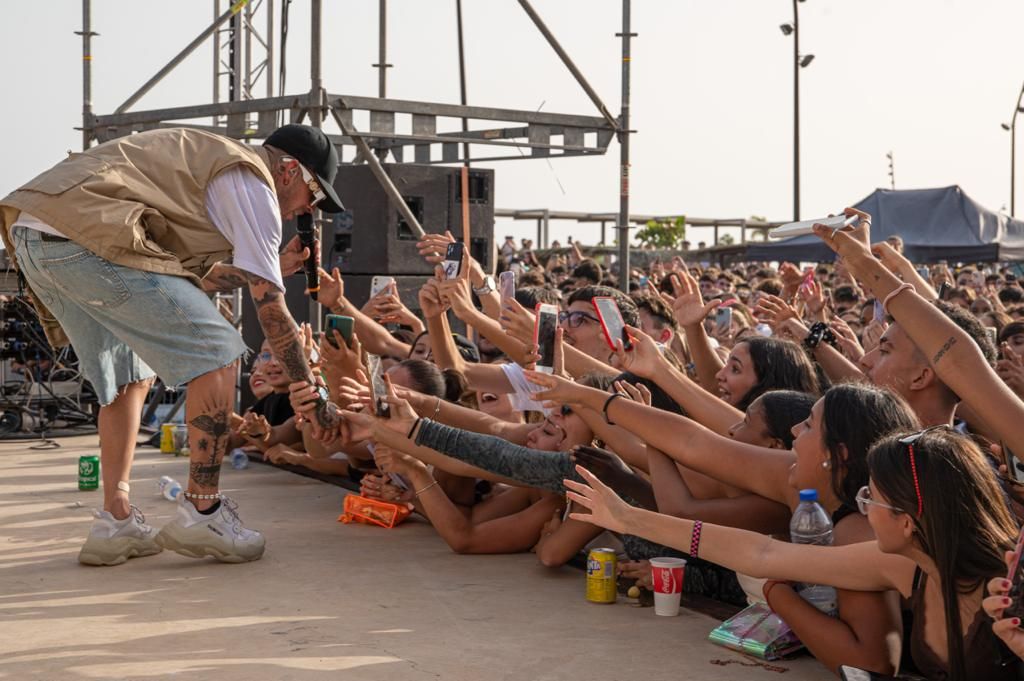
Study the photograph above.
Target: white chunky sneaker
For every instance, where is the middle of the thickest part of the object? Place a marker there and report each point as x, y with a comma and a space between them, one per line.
112, 542
219, 534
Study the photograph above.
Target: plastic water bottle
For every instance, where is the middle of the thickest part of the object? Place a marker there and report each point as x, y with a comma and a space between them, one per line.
811, 524
238, 458
169, 487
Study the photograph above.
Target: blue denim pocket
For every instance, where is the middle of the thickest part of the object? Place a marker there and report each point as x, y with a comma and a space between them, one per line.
94, 280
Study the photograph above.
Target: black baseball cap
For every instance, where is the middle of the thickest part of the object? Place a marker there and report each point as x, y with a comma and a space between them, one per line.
311, 147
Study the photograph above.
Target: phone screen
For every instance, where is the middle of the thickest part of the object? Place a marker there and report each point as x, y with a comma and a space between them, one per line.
1014, 466
723, 320
341, 324
453, 260
879, 313
507, 285
611, 321
547, 322
378, 389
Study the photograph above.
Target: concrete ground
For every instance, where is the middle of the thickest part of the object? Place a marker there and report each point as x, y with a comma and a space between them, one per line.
328, 600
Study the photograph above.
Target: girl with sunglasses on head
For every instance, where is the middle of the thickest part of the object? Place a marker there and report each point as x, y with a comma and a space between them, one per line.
828, 454
941, 530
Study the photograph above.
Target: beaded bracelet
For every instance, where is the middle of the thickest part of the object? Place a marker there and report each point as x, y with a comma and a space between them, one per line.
208, 497
695, 538
819, 332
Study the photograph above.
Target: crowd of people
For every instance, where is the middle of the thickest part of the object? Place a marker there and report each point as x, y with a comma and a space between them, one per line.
892, 389
899, 405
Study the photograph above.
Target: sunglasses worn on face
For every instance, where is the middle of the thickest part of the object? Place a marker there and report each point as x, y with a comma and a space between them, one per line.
864, 500
575, 318
311, 182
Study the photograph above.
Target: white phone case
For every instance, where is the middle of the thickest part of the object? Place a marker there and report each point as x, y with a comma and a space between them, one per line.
807, 226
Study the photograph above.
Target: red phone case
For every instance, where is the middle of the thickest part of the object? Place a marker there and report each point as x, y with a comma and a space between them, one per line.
626, 345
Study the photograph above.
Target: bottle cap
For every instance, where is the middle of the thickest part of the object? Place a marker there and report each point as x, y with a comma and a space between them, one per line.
808, 495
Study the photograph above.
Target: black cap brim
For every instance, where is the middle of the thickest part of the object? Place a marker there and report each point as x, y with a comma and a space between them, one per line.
331, 204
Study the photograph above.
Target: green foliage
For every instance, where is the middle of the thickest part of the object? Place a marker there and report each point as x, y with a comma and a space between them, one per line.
667, 234
726, 240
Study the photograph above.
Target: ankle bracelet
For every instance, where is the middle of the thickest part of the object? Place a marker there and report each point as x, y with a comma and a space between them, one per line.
207, 497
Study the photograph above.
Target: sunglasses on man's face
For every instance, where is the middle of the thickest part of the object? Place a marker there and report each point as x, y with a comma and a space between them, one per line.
314, 184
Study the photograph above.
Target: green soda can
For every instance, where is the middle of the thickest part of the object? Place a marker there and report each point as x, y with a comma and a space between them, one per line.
88, 472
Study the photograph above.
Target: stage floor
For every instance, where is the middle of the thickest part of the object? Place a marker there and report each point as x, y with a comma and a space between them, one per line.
328, 600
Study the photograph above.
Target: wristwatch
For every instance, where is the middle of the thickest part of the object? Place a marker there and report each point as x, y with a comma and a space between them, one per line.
322, 396
486, 288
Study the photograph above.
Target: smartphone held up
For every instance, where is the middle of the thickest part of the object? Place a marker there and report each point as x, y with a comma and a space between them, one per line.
612, 323
544, 336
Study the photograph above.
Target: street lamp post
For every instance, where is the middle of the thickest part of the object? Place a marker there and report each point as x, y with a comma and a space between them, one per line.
1012, 127
798, 63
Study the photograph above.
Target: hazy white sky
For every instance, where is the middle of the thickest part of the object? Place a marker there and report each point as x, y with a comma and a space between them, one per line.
930, 80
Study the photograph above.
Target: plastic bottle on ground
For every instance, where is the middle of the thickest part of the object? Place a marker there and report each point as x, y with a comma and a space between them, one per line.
239, 458
169, 487
811, 524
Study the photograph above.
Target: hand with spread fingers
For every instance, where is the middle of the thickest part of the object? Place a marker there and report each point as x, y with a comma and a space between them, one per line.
338, 359
556, 388
847, 339
606, 508
689, 306
332, 288
774, 310
638, 392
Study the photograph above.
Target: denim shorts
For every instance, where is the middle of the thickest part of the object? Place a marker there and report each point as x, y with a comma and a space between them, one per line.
125, 325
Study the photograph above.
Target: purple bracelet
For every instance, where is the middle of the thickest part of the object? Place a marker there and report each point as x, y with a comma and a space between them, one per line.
695, 538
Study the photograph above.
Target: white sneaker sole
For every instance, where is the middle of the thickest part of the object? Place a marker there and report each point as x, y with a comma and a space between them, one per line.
115, 551
175, 538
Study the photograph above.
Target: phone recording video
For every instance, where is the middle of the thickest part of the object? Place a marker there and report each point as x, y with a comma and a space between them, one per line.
507, 285
544, 336
452, 263
612, 323
723, 320
343, 325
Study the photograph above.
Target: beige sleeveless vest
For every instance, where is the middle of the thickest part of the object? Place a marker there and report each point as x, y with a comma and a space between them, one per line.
138, 201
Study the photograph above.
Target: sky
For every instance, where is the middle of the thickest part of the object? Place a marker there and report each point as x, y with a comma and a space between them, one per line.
712, 91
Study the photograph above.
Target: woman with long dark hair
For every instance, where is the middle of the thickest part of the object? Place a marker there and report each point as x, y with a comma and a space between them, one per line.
942, 528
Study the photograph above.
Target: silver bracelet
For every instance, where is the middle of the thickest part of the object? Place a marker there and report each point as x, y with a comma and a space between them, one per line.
415, 496
437, 409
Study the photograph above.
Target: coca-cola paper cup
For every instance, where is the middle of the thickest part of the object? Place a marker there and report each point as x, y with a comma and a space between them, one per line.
667, 574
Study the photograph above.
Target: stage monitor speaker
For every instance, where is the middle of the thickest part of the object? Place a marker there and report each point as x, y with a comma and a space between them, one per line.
373, 238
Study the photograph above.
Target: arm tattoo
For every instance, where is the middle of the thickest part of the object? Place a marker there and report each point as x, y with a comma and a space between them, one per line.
943, 350
223, 278
279, 329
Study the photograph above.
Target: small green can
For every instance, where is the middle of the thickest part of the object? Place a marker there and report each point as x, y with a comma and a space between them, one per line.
88, 472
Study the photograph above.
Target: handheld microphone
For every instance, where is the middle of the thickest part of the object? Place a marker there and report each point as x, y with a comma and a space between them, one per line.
307, 237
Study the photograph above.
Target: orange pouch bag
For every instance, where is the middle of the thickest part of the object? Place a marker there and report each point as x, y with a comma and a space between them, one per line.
373, 512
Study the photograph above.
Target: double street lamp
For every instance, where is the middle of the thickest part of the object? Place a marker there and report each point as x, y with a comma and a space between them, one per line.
799, 62
1012, 127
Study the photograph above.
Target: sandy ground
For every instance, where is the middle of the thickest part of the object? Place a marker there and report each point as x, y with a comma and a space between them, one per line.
328, 601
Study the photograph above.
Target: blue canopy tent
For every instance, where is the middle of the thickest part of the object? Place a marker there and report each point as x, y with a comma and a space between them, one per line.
935, 224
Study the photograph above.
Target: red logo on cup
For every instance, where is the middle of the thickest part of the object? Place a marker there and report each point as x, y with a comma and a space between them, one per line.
668, 580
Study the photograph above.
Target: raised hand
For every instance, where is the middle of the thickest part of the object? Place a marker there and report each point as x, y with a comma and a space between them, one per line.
637, 392
430, 299
432, 247
455, 293
688, 305
847, 339
607, 510
517, 321
392, 461
332, 288
1011, 369
813, 296
645, 359
774, 310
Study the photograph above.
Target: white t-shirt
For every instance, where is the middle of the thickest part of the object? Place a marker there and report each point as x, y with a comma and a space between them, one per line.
244, 210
